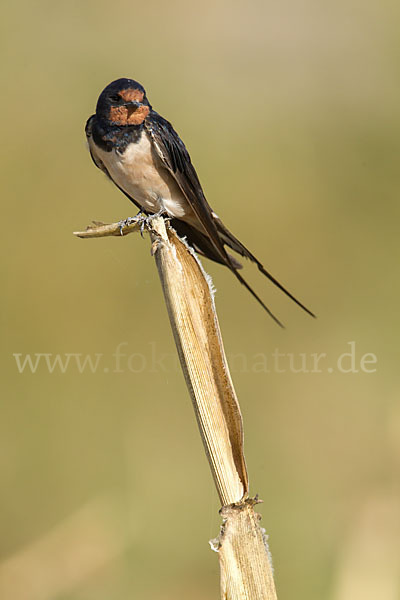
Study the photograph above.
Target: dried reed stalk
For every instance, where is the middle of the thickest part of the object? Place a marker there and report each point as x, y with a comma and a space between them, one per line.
246, 571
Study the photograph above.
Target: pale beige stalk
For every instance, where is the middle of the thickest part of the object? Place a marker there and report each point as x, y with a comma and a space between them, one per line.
246, 571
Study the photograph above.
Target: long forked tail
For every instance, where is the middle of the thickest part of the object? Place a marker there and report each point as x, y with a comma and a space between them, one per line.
230, 240
214, 250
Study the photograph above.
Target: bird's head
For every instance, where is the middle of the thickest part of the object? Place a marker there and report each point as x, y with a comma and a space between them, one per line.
123, 102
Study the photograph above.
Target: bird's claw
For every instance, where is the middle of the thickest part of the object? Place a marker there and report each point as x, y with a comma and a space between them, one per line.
127, 223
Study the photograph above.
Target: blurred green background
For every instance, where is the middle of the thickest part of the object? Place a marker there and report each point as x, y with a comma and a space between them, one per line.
291, 114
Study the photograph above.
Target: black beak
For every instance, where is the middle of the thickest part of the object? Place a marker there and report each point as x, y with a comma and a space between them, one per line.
132, 104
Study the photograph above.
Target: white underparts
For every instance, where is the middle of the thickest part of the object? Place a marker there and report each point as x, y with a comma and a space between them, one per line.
140, 173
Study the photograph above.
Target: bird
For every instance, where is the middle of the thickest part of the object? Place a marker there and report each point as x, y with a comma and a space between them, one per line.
145, 158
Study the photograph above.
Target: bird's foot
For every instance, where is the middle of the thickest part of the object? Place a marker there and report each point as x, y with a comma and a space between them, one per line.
129, 222
148, 219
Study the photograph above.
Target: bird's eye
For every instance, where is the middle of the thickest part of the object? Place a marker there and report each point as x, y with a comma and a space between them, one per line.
115, 97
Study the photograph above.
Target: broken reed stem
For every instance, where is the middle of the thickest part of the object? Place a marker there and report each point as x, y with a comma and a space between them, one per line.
246, 571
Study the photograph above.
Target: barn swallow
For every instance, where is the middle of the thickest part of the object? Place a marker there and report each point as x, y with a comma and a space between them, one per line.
146, 159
